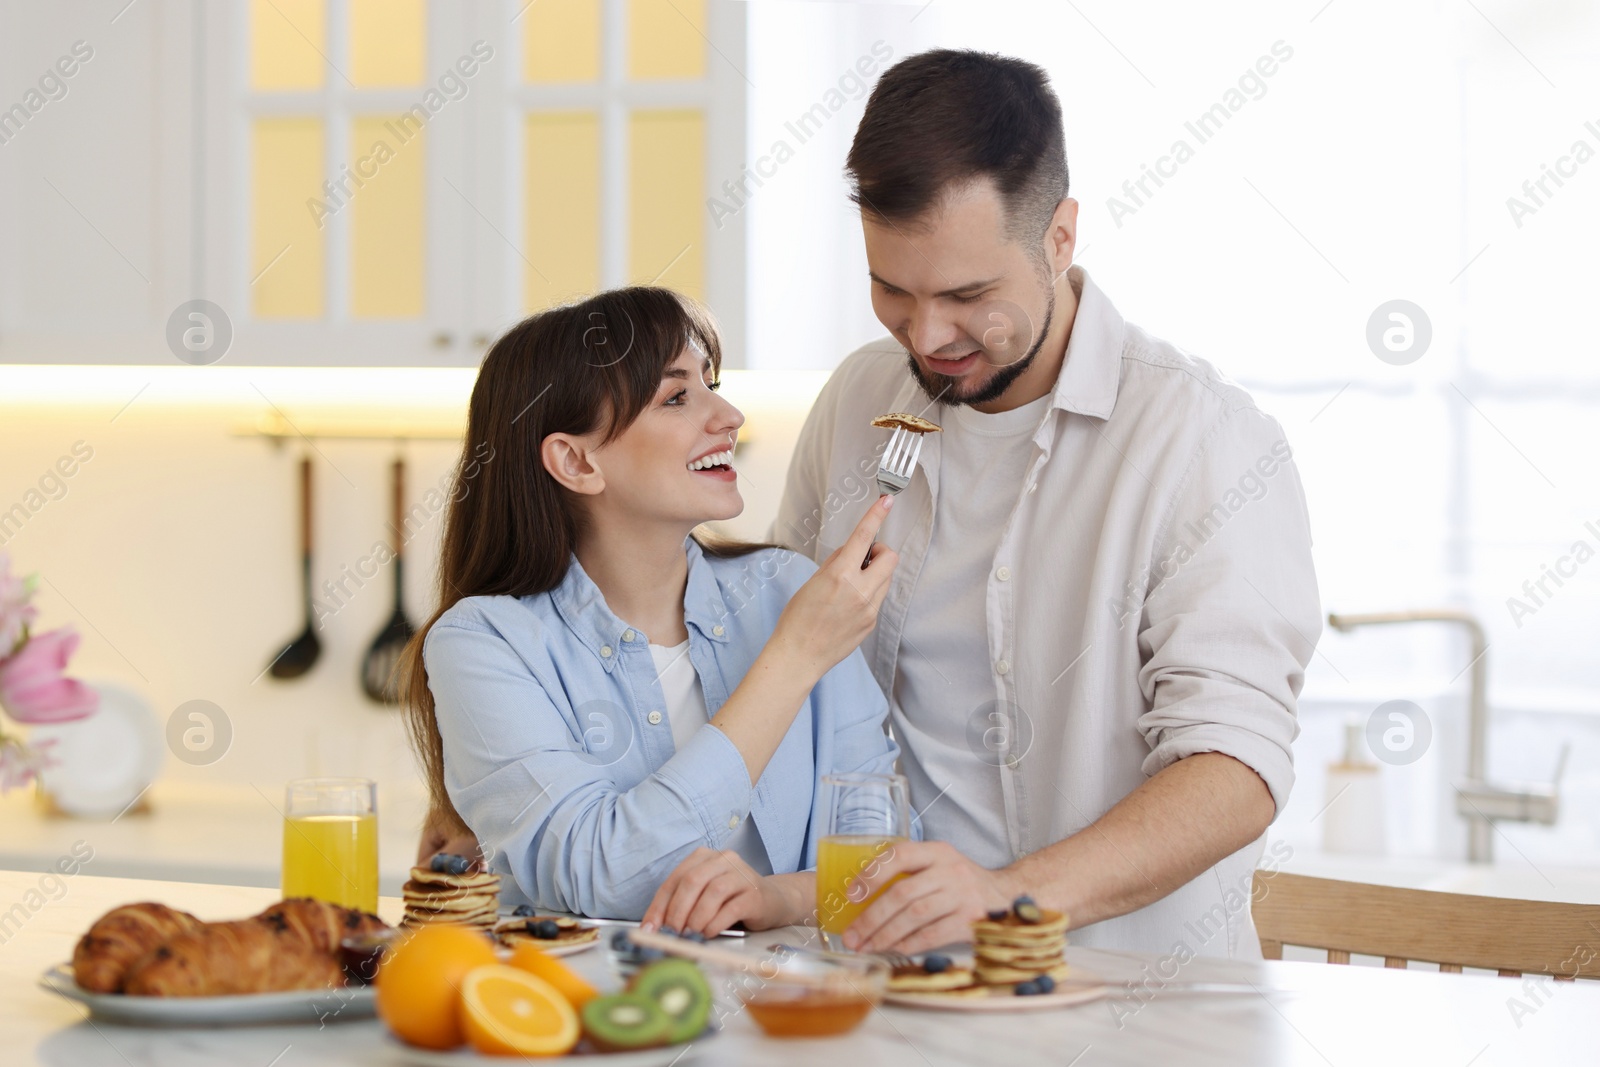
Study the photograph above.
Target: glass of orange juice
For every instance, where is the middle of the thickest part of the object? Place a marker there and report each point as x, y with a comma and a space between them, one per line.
330, 841
866, 815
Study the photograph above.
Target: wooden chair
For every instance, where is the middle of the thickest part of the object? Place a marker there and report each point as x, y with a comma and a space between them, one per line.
1451, 929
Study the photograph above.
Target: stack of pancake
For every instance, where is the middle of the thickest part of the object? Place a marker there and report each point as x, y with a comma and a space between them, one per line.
1013, 949
471, 899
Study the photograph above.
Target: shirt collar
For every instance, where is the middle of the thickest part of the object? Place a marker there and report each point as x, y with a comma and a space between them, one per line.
1089, 375
584, 609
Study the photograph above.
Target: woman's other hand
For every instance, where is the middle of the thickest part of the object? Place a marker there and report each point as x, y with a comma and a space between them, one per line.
710, 891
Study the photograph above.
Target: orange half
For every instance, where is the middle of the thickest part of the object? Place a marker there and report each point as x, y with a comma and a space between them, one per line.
509, 1012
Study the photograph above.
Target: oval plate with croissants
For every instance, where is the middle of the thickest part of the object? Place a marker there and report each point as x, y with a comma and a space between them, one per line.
293, 1006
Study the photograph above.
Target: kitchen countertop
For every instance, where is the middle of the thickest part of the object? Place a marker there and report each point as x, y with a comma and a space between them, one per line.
1298, 1013
1512, 876
226, 835
242, 832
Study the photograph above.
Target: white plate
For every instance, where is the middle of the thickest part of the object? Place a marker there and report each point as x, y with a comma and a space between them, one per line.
298, 1006
465, 1057
571, 949
998, 1001
100, 765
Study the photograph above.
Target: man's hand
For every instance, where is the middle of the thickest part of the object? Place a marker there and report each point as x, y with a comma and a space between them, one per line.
710, 891
935, 901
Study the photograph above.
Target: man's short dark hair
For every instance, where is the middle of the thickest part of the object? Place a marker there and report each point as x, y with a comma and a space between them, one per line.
949, 116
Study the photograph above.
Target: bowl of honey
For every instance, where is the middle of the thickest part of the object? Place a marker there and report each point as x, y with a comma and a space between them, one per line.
799, 995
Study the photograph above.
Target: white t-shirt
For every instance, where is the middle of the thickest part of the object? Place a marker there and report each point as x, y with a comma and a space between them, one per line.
686, 712
944, 682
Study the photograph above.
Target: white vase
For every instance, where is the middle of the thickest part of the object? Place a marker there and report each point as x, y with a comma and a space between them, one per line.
98, 766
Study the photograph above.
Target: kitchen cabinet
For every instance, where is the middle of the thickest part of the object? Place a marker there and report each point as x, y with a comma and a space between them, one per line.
359, 182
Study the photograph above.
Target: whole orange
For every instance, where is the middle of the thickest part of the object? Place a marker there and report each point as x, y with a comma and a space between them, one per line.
419, 983
529, 957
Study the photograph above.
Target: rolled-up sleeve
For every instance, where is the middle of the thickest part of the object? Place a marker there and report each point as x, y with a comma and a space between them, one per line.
517, 770
1232, 617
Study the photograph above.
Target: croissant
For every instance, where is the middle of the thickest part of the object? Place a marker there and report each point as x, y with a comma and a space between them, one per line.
119, 937
247, 956
322, 924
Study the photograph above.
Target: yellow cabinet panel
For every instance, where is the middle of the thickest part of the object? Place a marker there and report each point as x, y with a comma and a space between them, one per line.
666, 39
562, 209
666, 183
388, 42
286, 224
387, 213
561, 41
288, 44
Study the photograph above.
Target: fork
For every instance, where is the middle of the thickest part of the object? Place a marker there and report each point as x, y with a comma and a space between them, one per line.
895, 467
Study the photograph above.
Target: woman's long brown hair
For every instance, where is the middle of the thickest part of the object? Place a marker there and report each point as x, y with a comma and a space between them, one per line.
510, 528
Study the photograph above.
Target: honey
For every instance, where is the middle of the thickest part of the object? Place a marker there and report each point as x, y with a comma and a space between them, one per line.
811, 1014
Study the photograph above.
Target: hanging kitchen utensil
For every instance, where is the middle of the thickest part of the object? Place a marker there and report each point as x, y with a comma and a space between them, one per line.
299, 655
380, 676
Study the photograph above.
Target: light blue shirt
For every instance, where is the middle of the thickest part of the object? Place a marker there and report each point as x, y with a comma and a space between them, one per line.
559, 755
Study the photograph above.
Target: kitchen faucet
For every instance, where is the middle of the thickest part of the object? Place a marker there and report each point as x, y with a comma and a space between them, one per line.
1479, 801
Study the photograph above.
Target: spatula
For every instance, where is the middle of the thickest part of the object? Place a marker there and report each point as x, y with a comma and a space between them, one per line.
380, 676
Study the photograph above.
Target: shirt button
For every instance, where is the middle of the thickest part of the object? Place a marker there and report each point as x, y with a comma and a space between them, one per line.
1004, 574
1002, 667
627, 635
655, 718
1012, 762
605, 650
733, 822
717, 630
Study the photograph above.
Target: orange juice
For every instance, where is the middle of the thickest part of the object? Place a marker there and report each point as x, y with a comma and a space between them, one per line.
332, 858
840, 860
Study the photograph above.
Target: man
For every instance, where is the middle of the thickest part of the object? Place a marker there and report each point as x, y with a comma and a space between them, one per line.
1105, 601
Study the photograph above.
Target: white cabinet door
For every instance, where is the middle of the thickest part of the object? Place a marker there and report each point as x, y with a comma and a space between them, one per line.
94, 182
600, 134
329, 236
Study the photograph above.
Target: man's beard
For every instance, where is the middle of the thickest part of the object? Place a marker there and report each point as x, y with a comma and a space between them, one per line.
941, 388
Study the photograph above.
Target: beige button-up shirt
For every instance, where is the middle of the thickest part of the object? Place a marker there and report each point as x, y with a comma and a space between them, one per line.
1152, 597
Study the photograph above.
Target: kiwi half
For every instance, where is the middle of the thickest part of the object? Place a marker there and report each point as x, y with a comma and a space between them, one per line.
625, 1021
682, 993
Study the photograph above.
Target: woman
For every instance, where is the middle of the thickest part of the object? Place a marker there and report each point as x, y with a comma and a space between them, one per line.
604, 696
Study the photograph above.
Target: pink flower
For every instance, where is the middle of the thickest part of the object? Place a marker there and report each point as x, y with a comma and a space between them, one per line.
17, 763
15, 611
32, 688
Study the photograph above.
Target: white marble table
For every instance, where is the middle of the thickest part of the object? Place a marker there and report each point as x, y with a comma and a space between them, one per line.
1299, 1013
